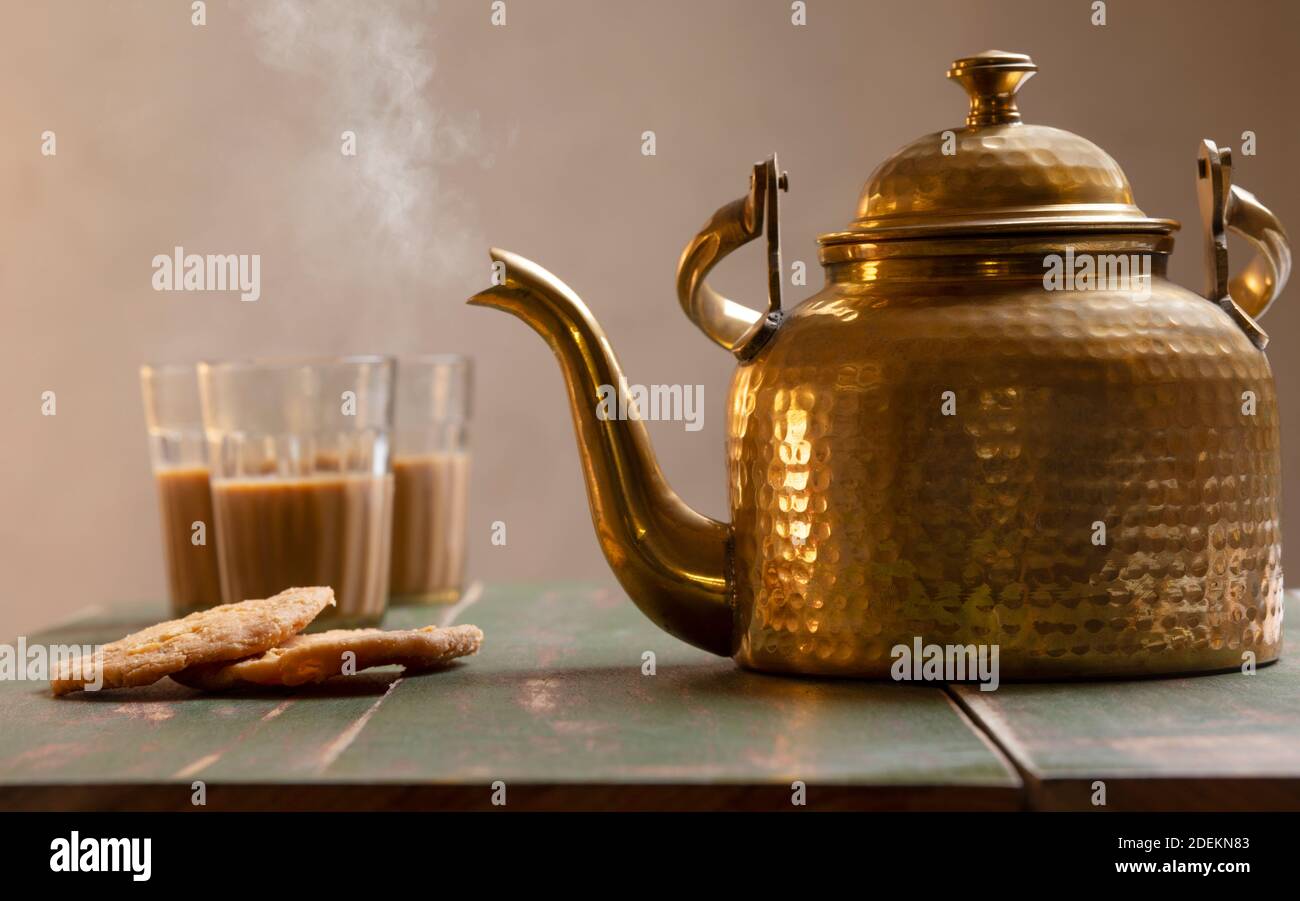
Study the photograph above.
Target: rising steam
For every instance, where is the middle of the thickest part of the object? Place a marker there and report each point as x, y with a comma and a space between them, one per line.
371, 68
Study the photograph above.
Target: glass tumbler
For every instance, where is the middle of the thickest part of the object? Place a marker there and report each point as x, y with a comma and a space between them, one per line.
302, 487
431, 478
178, 452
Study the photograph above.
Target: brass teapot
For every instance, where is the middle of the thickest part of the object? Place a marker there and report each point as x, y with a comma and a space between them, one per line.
997, 424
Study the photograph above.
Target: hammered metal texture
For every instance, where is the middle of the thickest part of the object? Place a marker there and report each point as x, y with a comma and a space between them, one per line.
864, 516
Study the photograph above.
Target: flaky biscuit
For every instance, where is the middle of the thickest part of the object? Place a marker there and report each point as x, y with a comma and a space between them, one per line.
227, 632
315, 658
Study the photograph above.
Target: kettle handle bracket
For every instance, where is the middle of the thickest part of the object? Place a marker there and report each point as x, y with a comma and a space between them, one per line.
1224, 207
738, 328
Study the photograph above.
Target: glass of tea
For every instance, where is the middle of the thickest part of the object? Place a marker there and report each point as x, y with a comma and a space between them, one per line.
302, 485
431, 478
178, 451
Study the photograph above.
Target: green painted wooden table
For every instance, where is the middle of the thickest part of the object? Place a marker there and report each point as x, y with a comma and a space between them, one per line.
558, 709
556, 706
1226, 742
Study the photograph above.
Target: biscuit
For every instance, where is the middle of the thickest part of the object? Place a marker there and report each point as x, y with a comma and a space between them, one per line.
315, 658
227, 632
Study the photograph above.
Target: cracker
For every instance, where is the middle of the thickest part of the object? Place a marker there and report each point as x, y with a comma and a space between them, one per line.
315, 658
227, 632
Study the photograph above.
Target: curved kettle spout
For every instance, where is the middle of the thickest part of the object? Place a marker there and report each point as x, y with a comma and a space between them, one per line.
671, 560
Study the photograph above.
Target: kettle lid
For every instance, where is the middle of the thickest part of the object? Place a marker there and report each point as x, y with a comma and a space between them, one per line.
997, 173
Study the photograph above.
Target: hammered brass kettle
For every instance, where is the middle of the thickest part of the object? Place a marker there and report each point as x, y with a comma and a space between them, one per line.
997, 424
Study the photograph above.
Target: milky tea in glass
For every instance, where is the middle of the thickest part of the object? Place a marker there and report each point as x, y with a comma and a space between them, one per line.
431, 478
178, 452
301, 482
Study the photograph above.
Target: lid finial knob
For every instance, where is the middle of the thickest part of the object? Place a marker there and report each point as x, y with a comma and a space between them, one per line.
992, 79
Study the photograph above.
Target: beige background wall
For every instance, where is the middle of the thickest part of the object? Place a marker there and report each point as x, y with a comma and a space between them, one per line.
225, 139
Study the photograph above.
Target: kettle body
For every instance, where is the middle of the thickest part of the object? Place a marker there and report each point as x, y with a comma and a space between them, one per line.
1087, 479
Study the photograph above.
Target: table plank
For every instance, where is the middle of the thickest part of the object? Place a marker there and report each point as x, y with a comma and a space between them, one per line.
555, 706
559, 698
1225, 742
